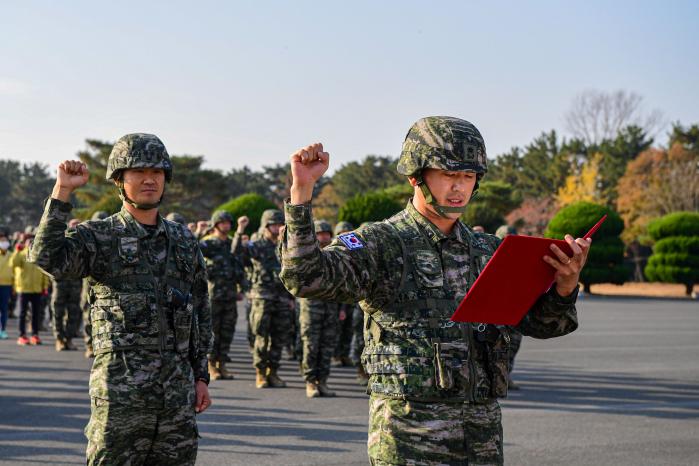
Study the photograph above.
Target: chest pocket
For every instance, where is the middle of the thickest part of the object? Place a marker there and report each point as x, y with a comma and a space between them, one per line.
184, 258
428, 269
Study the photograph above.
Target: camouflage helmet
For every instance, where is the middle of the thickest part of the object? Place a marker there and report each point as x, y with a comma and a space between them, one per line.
504, 230
99, 215
322, 226
271, 217
444, 143
342, 227
138, 150
176, 217
221, 216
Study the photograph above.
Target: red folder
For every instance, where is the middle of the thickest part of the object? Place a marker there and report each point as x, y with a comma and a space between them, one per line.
514, 278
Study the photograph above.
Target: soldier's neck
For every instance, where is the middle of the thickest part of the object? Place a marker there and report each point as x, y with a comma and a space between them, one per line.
445, 225
146, 217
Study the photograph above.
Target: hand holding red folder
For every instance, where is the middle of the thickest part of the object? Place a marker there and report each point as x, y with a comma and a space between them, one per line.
515, 277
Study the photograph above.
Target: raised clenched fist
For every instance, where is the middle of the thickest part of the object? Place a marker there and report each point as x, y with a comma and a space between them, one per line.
72, 174
307, 166
243, 222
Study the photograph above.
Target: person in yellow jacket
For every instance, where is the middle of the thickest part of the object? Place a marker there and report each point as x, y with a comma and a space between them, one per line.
30, 284
6, 279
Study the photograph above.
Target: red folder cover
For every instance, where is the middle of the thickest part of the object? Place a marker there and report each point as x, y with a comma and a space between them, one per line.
514, 278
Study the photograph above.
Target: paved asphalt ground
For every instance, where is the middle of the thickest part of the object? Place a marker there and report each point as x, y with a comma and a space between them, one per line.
622, 390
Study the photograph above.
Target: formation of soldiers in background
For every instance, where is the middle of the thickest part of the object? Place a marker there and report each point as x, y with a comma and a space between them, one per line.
243, 268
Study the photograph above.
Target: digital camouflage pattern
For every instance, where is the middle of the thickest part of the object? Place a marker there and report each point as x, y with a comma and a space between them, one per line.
318, 328
345, 331
357, 334
225, 274
444, 143
271, 217
151, 324
65, 302
176, 217
462, 433
343, 227
322, 226
138, 150
272, 312
220, 216
409, 278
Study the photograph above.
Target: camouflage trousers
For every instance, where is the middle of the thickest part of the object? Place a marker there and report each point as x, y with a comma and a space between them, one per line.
224, 315
119, 434
271, 321
345, 330
515, 344
87, 326
248, 309
65, 302
430, 434
319, 337
357, 334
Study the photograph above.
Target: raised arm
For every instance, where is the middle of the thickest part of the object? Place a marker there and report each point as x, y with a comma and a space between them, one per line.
338, 272
61, 254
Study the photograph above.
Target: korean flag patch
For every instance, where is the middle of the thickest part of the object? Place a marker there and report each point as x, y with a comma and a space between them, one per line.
351, 241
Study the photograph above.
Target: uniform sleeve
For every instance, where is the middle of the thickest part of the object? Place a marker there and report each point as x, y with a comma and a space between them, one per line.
551, 316
200, 346
244, 252
335, 273
61, 254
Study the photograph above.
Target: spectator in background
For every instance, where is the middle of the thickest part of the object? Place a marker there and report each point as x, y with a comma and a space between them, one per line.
6, 278
30, 284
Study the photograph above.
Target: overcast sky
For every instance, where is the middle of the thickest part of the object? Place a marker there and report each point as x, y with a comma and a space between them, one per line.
249, 82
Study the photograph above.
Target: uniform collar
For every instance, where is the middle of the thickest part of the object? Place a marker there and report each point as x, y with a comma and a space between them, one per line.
136, 228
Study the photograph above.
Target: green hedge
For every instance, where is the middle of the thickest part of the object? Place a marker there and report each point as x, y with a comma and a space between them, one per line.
605, 263
483, 215
251, 205
370, 207
675, 256
675, 224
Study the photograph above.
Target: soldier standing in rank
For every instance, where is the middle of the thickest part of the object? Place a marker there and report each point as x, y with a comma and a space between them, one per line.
318, 328
65, 305
85, 301
345, 329
272, 313
225, 285
151, 324
433, 384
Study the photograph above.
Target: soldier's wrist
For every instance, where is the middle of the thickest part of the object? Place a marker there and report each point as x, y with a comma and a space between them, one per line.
300, 194
61, 193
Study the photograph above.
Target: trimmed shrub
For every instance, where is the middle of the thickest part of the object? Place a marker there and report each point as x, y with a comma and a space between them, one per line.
370, 207
675, 256
605, 263
251, 205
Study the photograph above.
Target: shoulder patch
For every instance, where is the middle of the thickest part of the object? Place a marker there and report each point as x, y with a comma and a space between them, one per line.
351, 241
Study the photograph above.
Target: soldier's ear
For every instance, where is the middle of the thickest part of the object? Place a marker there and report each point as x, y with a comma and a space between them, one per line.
412, 181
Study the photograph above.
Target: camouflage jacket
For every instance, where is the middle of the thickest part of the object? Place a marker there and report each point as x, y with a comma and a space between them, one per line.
318, 307
224, 270
147, 296
262, 256
409, 278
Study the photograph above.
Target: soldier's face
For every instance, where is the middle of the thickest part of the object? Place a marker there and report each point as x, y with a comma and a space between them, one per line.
274, 229
324, 238
224, 227
144, 185
449, 188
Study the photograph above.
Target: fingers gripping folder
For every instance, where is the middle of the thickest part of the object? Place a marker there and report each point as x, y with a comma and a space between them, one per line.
512, 281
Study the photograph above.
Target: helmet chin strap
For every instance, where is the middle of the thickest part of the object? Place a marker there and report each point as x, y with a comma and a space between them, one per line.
442, 210
139, 206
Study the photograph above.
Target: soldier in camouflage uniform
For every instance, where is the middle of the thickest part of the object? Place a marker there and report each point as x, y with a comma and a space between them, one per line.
151, 325
65, 308
433, 383
345, 327
272, 314
85, 302
318, 328
176, 217
516, 340
225, 278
